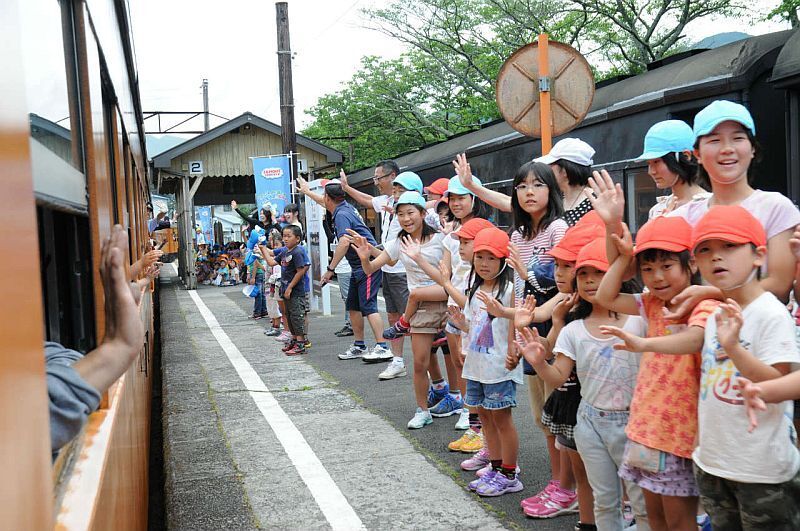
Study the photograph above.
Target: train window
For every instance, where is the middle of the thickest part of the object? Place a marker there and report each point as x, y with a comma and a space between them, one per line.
640, 197
498, 217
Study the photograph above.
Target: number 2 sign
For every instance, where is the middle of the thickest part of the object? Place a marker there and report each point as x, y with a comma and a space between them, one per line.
195, 167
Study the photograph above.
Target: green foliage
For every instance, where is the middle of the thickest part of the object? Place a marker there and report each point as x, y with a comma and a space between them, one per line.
788, 11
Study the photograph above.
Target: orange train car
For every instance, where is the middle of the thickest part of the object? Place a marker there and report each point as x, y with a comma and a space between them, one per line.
72, 164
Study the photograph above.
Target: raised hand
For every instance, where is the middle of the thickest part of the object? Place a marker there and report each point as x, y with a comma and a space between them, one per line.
530, 347
563, 307
361, 245
343, 179
493, 306
623, 243
514, 261
523, 316
457, 317
794, 243
302, 184
123, 326
729, 323
512, 359
608, 200
446, 272
463, 170
411, 248
751, 393
630, 342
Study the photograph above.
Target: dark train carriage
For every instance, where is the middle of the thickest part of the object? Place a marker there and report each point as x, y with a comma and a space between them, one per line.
622, 111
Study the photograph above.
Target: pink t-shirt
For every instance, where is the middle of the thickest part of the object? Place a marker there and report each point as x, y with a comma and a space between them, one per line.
535, 249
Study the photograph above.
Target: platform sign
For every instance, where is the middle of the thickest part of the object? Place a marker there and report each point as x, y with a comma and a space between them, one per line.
272, 176
317, 251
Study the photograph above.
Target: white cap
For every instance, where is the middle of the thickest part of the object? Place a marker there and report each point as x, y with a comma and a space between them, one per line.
571, 149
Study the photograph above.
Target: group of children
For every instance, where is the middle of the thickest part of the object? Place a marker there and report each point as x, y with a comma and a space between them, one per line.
218, 267
676, 396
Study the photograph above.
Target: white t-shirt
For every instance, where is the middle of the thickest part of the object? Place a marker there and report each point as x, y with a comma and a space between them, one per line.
725, 449
775, 212
607, 376
432, 253
486, 345
664, 204
390, 227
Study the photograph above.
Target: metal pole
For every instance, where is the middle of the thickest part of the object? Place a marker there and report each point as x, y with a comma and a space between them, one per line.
205, 105
288, 138
545, 116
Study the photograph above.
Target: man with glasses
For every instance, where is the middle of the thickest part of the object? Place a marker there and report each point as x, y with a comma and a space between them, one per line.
395, 286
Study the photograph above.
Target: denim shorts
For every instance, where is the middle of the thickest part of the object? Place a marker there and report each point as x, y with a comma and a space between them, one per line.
498, 395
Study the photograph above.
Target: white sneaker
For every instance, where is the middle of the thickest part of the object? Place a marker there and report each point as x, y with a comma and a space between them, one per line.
420, 420
377, 354
463, 420
352, 353
393, 370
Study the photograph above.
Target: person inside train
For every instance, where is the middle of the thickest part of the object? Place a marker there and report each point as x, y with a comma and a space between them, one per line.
76, 381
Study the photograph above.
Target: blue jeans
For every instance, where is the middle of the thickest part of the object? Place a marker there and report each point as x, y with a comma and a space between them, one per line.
260, 302
344, 289
600, 438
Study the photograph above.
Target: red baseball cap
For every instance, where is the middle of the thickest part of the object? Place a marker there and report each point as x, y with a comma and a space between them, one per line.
730, 223
593, 254
493, 240
439, 186
472, 227
575, 239
671, 234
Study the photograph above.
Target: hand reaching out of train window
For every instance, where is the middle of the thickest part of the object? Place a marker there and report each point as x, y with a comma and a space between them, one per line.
140, 267
124, 333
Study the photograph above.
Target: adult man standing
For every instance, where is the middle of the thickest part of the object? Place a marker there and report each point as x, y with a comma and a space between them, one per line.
395, 286
362, 296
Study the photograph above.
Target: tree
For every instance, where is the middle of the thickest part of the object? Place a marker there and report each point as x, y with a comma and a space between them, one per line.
787, 10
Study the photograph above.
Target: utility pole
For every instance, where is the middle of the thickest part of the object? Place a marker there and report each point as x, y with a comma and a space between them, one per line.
350, 158
288, 137
205, 105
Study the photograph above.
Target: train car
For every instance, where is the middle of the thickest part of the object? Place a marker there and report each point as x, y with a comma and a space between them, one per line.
73, 164
761, 72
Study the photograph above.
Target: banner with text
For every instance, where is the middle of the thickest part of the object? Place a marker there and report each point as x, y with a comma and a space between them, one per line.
202, 216
272, 177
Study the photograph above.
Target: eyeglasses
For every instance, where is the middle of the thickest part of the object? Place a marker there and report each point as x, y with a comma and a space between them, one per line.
378, 178
536, 187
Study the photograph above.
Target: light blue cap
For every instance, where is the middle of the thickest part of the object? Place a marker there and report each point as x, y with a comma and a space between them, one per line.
411, 198
722, 111
409, 180
455, 186
669, 136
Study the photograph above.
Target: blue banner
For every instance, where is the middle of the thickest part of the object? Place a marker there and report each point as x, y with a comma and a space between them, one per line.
202, 216
272, 182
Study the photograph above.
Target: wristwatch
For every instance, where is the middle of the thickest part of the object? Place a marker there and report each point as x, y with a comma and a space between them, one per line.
331, 270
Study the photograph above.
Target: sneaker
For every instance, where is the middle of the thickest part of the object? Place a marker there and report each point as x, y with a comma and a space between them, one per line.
477, 461
559, 502
449, 406
456, 445
393, 370
463, 420
543, 495
353, 352
498, 485
273, 332
483, 478
288, 346
396, 331
420, 420
344, 332
296, 350
307, 344
474, 445
437, 395
377, 354
285, 337
259, 316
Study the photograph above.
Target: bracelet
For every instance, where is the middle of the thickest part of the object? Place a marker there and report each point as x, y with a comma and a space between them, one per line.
331, 270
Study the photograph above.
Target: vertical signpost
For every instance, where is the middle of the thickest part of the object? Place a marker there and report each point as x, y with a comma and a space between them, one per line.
317, 251
272, 176
545, 117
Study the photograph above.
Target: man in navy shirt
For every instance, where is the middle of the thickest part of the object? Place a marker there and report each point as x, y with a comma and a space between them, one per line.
362, 299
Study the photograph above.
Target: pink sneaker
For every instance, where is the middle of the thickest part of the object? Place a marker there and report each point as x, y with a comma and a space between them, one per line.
477, 461
542, 495
560, 502
285, 337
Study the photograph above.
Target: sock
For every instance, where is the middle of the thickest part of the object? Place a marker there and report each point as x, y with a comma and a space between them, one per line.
475, 422
438, 385
455, 393
509, 471
398, 360
497, 464
360, 344
402, 322
383, 344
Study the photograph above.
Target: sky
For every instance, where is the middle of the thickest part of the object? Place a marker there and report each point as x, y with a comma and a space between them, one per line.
233, 44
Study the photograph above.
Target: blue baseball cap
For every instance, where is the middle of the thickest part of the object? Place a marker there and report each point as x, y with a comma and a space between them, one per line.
720, 111
669, 136
455, 186
410, 181
411, 198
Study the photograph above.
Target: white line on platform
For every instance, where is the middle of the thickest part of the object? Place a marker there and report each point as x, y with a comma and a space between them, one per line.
339, 513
